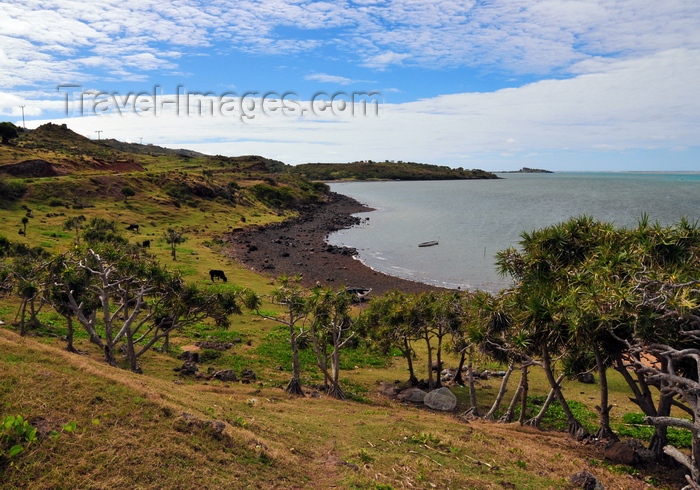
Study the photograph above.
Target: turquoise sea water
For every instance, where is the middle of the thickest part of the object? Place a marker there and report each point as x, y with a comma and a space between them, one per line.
474, 219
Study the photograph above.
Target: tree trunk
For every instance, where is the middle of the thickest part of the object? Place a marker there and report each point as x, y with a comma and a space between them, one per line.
605, 432
526, 387
660, 438
501, 393
69, 335
412, 380
294, 386
431, 382
474, 409
109, 354
642, 401
33, 312
458, 375
537, 420
575, 428
438, 359
22, 323
335, 371
507, 416
130, 352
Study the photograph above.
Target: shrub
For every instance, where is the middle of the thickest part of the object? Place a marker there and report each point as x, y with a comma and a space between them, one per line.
12, 189
15, 435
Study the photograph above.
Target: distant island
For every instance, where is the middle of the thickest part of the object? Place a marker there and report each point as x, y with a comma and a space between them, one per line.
387, 170
527, 170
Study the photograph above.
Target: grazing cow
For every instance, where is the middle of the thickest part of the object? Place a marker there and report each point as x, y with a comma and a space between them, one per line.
146, 244
133, 228
214, 273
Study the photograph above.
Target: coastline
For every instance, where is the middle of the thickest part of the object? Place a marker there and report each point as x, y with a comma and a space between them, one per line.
298, 246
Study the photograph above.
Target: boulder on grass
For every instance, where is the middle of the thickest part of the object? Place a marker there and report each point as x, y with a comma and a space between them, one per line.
225, 375
415, 395
442, 399
621, 453
388, 389
586, 481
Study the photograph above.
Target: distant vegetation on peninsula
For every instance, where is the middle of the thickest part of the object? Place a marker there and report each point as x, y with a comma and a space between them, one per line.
527, 170
387, 170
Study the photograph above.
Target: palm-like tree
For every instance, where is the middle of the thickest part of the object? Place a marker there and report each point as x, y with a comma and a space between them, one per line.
330, 331
75, 223
543, 273
389, 321
174, 238
296, 307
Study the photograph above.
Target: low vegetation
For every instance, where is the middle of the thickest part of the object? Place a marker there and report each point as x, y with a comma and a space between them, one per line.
387, 170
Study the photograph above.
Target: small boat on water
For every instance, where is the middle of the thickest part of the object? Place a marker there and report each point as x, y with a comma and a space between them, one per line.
428, 244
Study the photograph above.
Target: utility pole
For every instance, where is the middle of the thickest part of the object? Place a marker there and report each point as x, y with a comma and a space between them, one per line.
98, 133
141, 138
23, 125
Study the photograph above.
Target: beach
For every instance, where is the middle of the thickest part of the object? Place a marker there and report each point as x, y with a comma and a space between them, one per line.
298, 246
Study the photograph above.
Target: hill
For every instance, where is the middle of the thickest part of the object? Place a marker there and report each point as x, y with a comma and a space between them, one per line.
387, 170
115, 428
101, 426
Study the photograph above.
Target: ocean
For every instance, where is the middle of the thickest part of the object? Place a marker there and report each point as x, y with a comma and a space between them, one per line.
474, 219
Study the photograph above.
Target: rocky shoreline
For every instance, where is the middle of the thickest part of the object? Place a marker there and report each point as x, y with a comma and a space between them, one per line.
298, 246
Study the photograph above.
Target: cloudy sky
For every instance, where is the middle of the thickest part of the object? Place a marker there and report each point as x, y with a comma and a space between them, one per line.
492, 84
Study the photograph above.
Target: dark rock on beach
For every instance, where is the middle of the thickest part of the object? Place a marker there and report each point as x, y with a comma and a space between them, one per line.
298, 246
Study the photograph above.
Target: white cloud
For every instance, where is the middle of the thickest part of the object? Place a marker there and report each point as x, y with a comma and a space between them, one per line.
325, 78
648, 103
524, 36
381, 61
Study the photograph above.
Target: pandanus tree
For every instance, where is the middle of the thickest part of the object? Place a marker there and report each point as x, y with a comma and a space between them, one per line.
430, 316
115, 294
295, 309
468, 325
388, 321
665, 292
331, 329
66, 278
75, 223
674, 304
27, 277
174, 238
542, 274
494, 331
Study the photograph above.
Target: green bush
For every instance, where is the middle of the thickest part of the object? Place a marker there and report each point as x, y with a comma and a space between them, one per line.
12, 189
634, 426
15, 435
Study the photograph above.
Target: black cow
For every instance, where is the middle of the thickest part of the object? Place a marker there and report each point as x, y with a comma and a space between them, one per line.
133, 228
146, 244
214, 273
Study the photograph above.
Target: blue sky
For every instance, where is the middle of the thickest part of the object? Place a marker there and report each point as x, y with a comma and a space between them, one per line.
498, 84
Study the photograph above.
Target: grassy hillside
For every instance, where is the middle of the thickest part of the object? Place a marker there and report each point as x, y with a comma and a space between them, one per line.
151, 431
163, 430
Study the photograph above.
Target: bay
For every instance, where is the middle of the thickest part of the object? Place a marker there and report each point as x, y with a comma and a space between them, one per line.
474, 219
